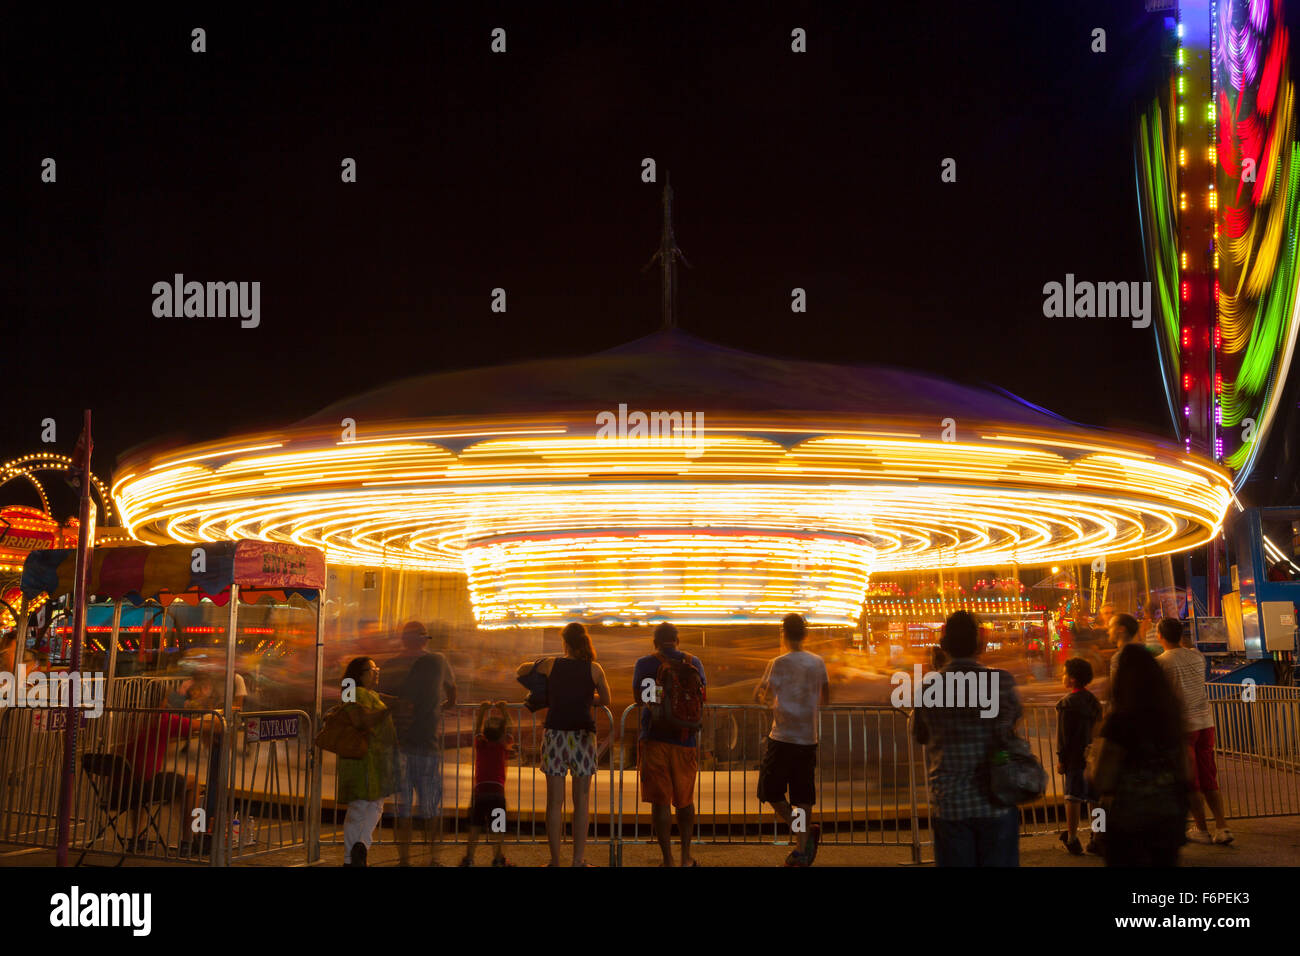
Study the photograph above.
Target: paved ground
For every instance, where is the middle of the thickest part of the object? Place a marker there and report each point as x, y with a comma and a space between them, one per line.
1269, 841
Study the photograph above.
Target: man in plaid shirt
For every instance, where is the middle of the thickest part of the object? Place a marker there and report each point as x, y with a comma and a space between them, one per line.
969, 828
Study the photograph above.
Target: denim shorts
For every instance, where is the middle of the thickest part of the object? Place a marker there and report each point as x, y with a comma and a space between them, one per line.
1078, 788
419, 778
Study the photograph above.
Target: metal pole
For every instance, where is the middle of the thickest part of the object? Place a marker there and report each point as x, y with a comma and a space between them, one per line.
112, 653
911, 786
1146, 584
314, 800
220, 826
85, 546
1212, 578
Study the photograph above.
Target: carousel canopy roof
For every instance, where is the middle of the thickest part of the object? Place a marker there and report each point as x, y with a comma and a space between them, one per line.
671, 369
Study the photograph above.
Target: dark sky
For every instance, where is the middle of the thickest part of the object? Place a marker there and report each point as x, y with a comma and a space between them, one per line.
522, 170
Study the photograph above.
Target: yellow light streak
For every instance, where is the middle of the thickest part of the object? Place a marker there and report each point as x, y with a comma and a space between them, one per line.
550, 523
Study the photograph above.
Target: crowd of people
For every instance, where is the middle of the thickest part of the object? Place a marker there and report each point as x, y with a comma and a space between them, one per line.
398, 707
1133, 766
1136, 764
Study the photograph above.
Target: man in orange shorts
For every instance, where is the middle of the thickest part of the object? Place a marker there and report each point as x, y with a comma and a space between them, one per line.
669, 686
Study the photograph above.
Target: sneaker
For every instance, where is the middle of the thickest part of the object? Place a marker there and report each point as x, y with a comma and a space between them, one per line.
501, 861
1223, 837
1195, 835
795, 859
810, 848
1070, 843
358, 855
465, 861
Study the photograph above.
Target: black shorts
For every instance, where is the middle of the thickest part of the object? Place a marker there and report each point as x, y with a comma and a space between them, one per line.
483, 805
785, 766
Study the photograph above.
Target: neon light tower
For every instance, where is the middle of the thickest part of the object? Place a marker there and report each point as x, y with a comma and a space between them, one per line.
1218, 172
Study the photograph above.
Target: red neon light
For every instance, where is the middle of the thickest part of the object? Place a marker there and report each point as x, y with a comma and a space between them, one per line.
1186, 290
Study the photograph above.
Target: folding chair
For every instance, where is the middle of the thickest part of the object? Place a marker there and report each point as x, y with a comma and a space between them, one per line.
119, 794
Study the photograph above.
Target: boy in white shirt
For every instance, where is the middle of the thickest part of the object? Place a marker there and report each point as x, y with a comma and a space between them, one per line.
795, 685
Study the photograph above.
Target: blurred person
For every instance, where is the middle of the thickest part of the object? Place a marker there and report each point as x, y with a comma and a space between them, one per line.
1185, 668
794, 685
1123, 629
1078, 714
1140, 770
492, 742
206, 689
1104, 614
574, 684
667, 757
363, 783
421, 684
146, 755
969, 828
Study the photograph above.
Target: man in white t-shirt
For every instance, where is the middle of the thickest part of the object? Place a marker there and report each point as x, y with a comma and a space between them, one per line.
1185, 668
795, 685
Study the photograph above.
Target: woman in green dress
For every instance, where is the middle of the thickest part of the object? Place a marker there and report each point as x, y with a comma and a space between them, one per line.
363, 783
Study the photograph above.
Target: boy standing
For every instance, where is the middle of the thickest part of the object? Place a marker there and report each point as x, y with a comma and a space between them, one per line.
795, 685
1077, 715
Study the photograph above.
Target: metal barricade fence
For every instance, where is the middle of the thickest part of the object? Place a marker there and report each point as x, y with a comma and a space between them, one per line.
868, 771
143, 691
139, 777
526, 787
871, 778
1257, 751
269, 785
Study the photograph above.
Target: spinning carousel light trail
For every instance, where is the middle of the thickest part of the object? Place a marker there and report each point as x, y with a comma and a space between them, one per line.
551, 522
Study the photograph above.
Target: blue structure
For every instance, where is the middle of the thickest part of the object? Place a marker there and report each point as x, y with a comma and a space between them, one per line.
1267, 608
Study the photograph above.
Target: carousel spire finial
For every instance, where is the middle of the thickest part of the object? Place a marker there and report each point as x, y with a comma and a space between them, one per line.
668, 255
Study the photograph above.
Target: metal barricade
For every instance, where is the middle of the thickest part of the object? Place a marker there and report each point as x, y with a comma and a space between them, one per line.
269, 797
1257, 751
868, 771
142, 691
1047, 813
526, 787
142, 779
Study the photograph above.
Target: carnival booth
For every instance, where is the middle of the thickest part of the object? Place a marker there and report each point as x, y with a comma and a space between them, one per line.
232, 651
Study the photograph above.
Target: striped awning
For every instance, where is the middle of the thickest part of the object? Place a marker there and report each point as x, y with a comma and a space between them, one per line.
180, 571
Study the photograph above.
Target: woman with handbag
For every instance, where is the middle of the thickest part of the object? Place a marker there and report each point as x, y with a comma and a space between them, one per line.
364, 782
1138, 764
574, 683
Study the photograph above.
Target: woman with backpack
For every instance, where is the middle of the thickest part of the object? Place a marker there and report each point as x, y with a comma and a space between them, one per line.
1140, 765
364, 782
574, 684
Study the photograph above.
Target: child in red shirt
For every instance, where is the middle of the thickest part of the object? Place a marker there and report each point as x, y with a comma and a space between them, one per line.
492, 743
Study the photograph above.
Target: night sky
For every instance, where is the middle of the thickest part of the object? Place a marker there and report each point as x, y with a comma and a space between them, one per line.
522, 170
